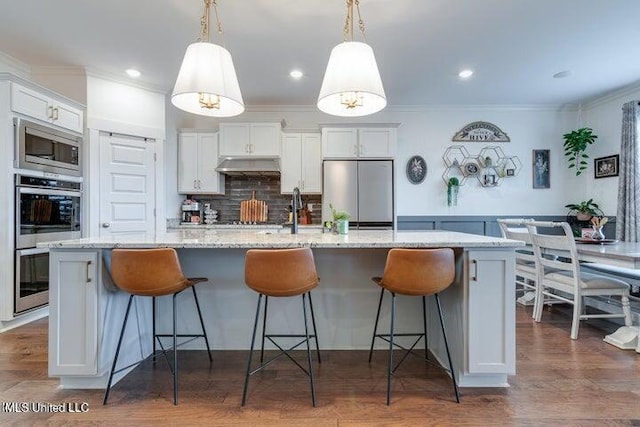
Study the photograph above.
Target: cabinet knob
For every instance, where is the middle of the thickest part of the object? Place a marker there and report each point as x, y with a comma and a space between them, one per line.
55, 113
106, 225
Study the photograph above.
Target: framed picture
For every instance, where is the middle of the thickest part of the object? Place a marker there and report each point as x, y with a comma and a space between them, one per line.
604, 167
416, 169
541, 169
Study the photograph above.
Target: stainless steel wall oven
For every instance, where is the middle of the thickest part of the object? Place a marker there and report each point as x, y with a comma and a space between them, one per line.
46, 209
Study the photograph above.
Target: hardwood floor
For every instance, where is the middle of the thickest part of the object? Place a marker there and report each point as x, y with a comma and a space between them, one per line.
558, 382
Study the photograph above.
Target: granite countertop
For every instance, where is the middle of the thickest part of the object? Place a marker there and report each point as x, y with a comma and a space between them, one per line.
211, 238
218, 226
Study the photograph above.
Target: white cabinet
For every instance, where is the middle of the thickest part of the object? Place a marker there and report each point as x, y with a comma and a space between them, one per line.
365, 142
490, 331
42, 107
249, 139
73, 312
301, 163
197, 161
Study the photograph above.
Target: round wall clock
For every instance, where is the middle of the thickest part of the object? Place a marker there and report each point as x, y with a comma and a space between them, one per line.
416, 169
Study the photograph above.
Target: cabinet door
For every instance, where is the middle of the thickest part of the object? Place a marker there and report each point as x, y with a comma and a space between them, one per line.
377, 143
290, 167
264, 139
339, 143
187, 163
234, 139
491, 319
68, 117
311, 164
209, 181
31, 103
73, 309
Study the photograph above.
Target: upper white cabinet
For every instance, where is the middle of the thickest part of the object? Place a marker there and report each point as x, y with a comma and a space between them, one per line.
301, 163
43, 107
197, 161
249, 139
363, 142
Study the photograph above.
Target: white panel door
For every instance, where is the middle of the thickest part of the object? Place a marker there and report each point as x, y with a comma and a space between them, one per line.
376, 143
127, 185
311, 164
290, 167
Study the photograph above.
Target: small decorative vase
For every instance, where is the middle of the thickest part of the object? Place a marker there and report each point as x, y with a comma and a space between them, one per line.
452, 195
597, 233
342, 226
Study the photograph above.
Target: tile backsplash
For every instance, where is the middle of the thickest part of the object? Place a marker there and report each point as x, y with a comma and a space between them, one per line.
267, 188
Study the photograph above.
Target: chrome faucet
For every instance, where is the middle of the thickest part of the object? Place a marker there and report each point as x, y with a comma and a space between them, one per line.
296, 203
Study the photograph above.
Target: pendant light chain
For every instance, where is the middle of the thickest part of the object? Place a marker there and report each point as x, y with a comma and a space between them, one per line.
205, 20
347, 31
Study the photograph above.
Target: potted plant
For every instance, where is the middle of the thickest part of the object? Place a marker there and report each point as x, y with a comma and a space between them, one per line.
452, 191
585, 210
575, 145
340, 220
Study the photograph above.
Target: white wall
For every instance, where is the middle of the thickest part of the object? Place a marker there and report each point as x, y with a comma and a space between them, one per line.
605, 117
428, 132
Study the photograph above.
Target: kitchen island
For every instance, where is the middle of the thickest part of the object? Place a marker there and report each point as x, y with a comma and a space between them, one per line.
86, 310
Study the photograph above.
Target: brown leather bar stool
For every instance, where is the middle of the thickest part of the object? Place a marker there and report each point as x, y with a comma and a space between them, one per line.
281, 273
414, 272
153, 273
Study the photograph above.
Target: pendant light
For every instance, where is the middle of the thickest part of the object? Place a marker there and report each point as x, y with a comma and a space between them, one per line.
352, 85
207, 83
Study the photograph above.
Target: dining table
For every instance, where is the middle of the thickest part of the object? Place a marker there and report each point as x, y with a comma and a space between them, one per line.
621, 259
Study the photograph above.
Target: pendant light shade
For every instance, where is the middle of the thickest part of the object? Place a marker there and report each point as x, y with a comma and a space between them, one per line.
352, 85
207, 83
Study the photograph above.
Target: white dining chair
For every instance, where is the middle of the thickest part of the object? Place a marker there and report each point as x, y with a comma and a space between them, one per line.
562, 279
526, 270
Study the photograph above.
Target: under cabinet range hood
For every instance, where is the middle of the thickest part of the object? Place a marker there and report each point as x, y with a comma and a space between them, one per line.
268, 166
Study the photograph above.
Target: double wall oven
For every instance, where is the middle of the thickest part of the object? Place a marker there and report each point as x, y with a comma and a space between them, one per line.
48, 199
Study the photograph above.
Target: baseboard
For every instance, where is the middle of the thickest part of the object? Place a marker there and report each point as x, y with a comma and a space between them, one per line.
23, 319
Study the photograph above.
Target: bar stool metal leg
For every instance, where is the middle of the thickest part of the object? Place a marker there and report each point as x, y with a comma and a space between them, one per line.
115, 358
390, 367
306, 332
375, 328
204, 333
446, 345
264, 327
315, 331
424, 322
153, 325
175, 353
253, 339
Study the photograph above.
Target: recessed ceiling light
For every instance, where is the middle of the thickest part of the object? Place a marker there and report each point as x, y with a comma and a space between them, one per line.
465, 74
562, 74
296, 74
132, 72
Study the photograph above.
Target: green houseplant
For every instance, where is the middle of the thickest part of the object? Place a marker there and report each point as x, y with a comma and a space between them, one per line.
340, 220
584, 210
452, 191
575, 145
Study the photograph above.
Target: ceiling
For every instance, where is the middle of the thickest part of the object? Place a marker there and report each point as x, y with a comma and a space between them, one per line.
514, 46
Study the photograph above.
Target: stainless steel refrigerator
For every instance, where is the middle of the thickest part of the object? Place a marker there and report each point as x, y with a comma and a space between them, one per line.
363, 188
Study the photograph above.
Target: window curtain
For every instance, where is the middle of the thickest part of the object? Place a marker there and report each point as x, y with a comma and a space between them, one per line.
628, 215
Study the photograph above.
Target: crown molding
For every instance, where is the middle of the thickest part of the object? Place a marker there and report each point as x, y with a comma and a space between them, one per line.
614, 95
58, 70
116, 78
16, 64
420, 108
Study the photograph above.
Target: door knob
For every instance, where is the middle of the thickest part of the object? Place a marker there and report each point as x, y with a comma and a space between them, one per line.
106, 225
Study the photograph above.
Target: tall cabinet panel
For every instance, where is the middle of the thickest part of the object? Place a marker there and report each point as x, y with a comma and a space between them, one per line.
301, 163
197, 161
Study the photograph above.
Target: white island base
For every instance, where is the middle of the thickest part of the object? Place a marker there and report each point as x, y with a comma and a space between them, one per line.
479, 308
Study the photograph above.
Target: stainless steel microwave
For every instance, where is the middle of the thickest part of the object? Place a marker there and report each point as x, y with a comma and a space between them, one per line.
46, 149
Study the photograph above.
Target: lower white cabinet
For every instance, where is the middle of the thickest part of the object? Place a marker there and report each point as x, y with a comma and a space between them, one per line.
490, 306
197, 162
73, 309
301, 163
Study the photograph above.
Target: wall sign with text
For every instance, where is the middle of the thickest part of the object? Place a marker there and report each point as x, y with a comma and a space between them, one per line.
481, 132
